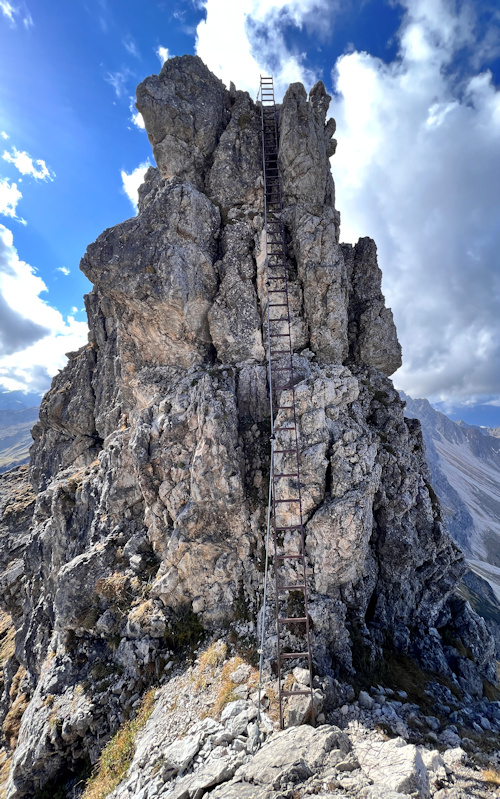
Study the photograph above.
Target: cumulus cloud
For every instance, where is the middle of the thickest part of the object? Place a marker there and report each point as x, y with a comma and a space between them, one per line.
162, 53
132, 181
417, 169
63, 269
4, 135
34, 337
26, 166
240, 41
135, 116
9, 198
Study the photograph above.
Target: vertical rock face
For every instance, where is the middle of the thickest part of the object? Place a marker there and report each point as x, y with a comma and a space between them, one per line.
151, 456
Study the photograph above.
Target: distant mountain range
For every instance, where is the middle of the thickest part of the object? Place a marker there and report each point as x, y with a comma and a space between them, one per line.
18, 414
465, 465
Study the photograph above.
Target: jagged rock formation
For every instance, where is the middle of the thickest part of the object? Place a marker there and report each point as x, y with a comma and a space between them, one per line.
151, 458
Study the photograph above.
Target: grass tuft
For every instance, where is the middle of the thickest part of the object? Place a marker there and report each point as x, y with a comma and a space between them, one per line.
492, 776
7, 635
5, 762
212, 657
117, 755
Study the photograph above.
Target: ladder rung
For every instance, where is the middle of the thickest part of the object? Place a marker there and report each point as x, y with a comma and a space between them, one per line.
276, 335
286, 621
282, 451
285, 500
289, 655
280, 429
297, 693
291, 588
285, 474
290, 557
290, 527
278, 305
277, 291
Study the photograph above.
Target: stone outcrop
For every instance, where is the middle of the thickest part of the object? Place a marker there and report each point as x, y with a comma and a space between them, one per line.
151, 454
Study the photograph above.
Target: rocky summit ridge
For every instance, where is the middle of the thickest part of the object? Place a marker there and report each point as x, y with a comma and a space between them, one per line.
142, 531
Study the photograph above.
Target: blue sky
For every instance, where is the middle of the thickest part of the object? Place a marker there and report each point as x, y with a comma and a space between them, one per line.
415, 95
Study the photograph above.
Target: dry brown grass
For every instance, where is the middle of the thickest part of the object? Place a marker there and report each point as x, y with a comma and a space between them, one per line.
117, 755
12, 721
274, 705
5, 762
16, 682
210, 659
210, 673
113, 588
7, 635
226, 690
141, 613
492, 776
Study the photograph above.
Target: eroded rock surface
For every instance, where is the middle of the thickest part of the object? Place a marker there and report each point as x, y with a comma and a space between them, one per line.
151, 455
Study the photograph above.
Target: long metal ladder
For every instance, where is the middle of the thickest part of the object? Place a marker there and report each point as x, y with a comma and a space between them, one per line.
285, 495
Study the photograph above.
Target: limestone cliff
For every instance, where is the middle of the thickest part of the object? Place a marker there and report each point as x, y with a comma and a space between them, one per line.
151, 454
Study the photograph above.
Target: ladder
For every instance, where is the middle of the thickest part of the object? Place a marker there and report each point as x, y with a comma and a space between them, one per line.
285, 496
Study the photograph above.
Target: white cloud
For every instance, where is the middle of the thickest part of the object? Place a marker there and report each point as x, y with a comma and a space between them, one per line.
74, 309
132, 181
26, 166
235, 40
34, 336
8, 10
4, 135
118, 80
162, 53
131, 47
417, 169
13, 11
9, 198
63, 269
135, 116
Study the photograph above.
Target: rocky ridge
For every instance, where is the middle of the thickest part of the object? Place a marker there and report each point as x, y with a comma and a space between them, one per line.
379, 746
151, 455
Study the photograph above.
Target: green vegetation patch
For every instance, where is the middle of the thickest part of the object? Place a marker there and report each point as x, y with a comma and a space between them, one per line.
395, 670
184, 632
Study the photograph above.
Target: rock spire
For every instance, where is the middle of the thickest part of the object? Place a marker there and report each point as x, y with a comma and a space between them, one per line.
151, 459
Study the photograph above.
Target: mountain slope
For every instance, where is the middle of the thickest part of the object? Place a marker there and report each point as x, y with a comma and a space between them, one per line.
15, 436
465, 467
